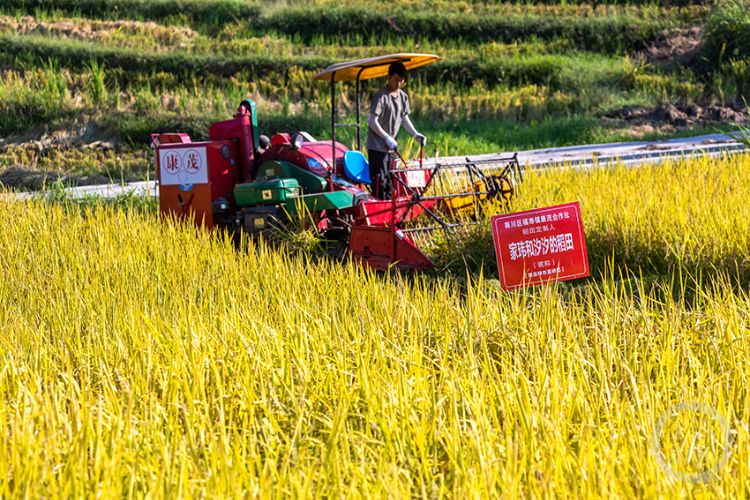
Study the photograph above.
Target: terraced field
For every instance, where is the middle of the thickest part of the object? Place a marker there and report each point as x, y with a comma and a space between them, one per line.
513, 76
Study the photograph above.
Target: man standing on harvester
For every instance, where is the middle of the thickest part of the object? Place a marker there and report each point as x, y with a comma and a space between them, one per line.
388, 110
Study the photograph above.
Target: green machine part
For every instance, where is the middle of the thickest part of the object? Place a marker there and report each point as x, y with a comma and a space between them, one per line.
320, 201
314, 196
308, 181
268, 192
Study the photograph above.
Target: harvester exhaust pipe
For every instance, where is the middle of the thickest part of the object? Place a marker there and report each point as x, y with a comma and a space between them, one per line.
248, 137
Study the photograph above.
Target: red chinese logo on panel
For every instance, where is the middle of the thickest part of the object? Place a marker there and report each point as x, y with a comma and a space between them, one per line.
172, 162
193, 162
541, 245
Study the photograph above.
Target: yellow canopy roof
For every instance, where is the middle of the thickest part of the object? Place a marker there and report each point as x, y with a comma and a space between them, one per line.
374, 67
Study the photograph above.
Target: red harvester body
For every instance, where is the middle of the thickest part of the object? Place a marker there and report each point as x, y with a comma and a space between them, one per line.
231, 181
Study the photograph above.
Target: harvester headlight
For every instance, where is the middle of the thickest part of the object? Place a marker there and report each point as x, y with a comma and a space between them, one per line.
220, 207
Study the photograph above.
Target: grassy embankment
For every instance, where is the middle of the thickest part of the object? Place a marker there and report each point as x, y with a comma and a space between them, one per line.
513, 76
139, 358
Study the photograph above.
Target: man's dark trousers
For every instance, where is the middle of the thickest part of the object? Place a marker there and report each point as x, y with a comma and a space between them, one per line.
380, 164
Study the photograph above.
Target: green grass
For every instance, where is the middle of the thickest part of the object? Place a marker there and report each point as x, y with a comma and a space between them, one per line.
537, 89
198, 11
599, 33
727, 32
489, 84
458, 120
464, 67
475, 20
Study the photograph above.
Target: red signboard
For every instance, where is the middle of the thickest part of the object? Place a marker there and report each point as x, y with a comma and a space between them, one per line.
541, 245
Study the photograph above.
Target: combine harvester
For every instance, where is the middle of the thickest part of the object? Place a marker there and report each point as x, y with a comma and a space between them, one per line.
230, 182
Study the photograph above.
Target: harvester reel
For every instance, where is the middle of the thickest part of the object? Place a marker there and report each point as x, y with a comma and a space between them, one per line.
504, 186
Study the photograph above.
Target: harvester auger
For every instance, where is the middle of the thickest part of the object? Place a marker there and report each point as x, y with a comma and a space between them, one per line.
230, 181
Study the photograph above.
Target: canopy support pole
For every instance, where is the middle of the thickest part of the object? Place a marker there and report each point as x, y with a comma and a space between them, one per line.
359, 125
333, 115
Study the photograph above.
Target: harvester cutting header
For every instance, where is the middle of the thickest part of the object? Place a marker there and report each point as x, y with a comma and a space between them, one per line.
230, 181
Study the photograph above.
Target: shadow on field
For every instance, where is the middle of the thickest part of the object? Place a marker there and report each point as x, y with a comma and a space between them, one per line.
634, 269
610, 259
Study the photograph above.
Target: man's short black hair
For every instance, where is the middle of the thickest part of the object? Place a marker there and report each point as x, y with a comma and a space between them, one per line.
398, 69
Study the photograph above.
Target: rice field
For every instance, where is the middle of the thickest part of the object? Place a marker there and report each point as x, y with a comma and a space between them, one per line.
141, 358
144, 359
